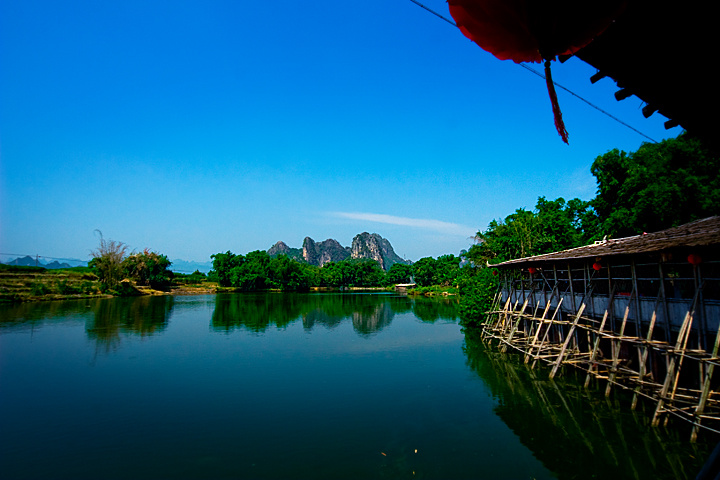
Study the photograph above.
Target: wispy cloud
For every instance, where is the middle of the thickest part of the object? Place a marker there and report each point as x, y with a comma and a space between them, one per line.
425, 223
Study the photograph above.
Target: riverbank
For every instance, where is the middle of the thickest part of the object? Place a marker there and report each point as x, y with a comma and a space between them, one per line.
37, 284
29, 284
434, 291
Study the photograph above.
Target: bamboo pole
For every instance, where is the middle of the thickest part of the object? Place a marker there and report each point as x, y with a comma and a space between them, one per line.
705, 387
666, 310
547, 331
598, 336
616, 348
518, 316
686, 325
567, 341
644, 355
548, 304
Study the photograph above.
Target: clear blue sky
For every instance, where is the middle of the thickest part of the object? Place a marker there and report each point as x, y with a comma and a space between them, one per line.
197, 127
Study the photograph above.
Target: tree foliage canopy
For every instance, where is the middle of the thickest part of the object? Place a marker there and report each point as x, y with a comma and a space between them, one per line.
111, 263
659, 186
148, 268
553, 225
107, 261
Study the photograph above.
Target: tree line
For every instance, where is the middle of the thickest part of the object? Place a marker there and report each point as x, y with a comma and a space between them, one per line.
112, 263
259, 271
661, 185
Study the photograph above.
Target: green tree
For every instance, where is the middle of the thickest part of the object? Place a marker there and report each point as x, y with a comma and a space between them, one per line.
288, 274
399, 273
107, 261
553, 225
353, 272
367, 273
148, 268
659, 186
477, 290
447, 269
223, 263
252, 273
424, 271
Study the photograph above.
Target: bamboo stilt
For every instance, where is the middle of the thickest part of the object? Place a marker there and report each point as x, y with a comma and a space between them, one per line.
554, 334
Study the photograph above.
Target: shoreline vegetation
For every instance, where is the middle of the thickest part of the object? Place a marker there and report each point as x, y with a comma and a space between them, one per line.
35, 284
642, 191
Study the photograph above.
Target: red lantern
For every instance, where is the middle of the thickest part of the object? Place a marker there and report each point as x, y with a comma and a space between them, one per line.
531, 31
597, 267
532, 270
694, 259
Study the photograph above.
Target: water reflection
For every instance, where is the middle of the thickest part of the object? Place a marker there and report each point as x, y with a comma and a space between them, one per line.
108, 319
18, 316
579, 433
432, 310
136, 316
368, 313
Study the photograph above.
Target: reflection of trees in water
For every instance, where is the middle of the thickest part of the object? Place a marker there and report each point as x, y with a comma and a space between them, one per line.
434, 309
135, 316
369, 313
255, 311
578, 432
30, 314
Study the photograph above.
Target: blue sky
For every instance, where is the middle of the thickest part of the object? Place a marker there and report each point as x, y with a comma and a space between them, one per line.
193, 128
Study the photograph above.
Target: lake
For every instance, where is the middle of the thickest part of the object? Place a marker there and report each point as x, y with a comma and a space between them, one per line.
300, 386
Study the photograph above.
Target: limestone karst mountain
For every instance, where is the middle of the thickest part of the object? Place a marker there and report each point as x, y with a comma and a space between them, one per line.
364, 245
281, 248
322, 252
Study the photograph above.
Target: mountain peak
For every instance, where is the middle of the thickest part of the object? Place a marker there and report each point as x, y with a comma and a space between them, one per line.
364, 245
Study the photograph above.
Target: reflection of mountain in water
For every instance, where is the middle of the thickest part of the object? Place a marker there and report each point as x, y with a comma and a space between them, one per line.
134, 316
369, 313
366, 323
576, 432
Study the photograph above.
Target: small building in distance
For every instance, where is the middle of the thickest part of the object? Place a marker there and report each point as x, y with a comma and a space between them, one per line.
404, 287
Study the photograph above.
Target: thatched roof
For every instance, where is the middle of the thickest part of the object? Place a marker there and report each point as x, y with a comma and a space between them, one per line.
700, 233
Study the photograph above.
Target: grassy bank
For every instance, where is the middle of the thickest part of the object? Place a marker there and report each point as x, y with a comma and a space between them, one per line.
22, 284
434, 290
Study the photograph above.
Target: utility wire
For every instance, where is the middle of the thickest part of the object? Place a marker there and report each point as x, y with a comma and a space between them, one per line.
434, 13
539, 74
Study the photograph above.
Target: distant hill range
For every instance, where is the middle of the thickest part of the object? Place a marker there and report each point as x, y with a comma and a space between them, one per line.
182, 266
189, 266
28, 261
364, 245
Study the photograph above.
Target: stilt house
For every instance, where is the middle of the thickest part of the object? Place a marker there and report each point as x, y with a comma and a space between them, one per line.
641, 313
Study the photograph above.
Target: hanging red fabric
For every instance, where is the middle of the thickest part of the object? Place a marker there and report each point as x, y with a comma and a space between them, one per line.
535, 30
557, 114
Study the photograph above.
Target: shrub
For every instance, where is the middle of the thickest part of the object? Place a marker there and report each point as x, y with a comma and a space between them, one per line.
38, 289
64, 287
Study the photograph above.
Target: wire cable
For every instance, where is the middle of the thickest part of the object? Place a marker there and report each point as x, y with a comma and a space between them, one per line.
539, 74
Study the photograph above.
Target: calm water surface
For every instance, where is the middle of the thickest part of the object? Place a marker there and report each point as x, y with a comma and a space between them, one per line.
298, 386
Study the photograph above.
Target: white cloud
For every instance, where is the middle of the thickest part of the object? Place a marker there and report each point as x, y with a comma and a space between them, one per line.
428, 224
